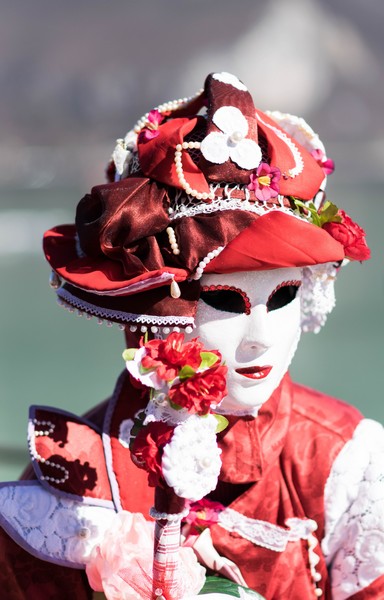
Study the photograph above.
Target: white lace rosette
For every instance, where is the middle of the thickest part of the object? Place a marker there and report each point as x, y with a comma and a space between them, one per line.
191, 460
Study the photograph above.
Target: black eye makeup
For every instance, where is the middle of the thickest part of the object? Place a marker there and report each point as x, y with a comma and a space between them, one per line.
282, 295
226, 298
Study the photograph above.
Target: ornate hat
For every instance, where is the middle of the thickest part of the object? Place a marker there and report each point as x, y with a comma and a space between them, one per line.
207, 184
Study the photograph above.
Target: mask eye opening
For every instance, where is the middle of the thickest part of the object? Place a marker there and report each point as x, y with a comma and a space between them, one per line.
283, 294
226, 298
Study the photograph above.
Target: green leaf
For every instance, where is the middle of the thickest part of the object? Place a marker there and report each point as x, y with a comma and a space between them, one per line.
186, 372
309, 212
222, 423
329, 213
229, 588
129, 353
208, 359
175, 406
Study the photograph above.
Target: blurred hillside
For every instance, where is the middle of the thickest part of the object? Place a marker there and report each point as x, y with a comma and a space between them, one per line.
75, 75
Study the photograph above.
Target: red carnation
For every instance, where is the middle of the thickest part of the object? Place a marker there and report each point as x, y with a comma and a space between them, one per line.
197, 393
350, 235
170, 355
148, 447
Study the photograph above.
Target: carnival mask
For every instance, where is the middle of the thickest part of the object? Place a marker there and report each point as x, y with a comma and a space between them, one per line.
253, 319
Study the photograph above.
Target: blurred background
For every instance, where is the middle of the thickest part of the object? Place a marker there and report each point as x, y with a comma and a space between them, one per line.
76, 75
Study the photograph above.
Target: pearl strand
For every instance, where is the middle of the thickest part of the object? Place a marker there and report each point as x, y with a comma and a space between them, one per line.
180, 173
173, 517
39, 458
205, 261
169, 106
164, 329
313, 562
172, 240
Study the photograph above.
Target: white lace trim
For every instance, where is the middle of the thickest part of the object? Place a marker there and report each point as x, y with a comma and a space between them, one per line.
183, 208
65, 298
51, 527
264, 534
354, 512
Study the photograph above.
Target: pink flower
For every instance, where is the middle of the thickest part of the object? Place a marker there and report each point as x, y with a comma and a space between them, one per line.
350, 235
203, 514
265, 182
121, 565
170, 355
326, 164
151, 128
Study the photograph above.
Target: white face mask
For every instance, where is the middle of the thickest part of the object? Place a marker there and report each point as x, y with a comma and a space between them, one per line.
253, 319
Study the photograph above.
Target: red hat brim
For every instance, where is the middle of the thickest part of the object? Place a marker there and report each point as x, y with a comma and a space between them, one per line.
99, 275
277, 240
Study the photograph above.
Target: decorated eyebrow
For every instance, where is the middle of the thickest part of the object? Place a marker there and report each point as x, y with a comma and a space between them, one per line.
226, 298
283, 294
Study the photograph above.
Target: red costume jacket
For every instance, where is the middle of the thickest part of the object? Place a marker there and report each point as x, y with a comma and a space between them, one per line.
276, 468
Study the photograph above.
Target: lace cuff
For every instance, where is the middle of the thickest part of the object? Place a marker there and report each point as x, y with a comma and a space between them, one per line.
354, 512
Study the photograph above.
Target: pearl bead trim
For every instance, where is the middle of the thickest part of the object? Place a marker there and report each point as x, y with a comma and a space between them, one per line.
299, 163
46, 432
180, 173
205, 261
166, 107
172, 518
172, 240
313, 562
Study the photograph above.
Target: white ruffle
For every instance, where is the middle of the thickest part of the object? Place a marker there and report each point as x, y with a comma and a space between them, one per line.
354, 512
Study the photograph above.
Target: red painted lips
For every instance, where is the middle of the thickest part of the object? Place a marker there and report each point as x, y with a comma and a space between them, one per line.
255, 372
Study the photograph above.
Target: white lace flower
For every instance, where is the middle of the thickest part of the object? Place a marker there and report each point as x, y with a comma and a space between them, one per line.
231, 142
122, 153
159, 409
230, 79
120, 157
191, 460
33, 504
125, 432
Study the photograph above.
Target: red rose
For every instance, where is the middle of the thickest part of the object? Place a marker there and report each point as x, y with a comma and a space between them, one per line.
197, 393
350, 235
147, 449
170, 355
